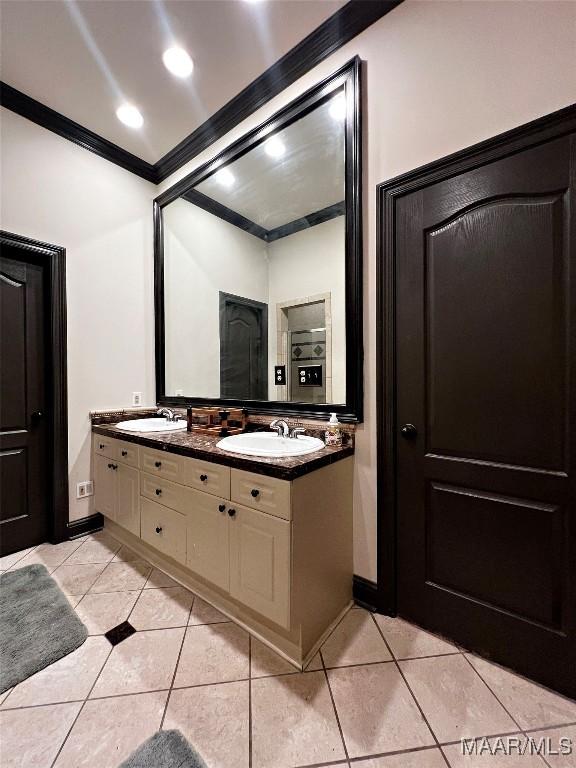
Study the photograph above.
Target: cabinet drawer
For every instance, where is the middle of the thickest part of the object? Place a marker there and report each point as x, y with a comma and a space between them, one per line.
163, 529
208, 477
105, 446
127, 453
260, 563
161, 463
260, 492
167, 493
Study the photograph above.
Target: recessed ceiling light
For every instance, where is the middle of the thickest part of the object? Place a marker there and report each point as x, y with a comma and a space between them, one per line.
338, 107
177, 61
225, 177
130, 116
274, 147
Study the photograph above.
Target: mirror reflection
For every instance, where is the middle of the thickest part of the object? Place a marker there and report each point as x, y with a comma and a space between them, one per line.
254, 270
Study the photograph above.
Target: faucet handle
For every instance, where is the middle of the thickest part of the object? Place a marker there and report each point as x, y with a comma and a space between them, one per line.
297, 431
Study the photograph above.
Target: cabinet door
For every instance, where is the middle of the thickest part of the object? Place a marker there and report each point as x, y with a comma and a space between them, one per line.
260, 563
105, 486
207, 539
128, 498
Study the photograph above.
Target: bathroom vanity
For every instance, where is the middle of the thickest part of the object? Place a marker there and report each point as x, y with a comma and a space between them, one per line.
268, 541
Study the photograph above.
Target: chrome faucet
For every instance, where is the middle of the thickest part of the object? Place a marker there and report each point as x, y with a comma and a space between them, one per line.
297, 431
281, 427
169, 413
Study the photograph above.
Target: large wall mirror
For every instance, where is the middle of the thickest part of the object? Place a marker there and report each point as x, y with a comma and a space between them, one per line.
258, 265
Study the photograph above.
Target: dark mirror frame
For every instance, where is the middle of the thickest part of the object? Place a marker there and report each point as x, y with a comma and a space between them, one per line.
348, 76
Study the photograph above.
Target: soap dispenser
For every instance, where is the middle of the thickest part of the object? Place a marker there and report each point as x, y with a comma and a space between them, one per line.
333, 433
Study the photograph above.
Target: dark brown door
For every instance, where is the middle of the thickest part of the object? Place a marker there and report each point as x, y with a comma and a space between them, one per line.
486, 342
23, 457
243, 348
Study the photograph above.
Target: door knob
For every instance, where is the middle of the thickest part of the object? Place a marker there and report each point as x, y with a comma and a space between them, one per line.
408, 431
37, 415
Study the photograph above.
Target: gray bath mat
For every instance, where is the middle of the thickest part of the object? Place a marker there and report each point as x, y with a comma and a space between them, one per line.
166, 749
37, 624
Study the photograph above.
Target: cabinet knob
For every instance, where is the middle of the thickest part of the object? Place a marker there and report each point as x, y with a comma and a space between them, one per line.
101, 446
158, 491
255, 493
124, 453
222, 507
231, 512
110, 466
158, 529
203, 478
158, 464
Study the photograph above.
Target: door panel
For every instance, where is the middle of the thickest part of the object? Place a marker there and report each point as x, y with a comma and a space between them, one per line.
484, 363
208, 548
260, 563
128, 498
503, 255
23, 450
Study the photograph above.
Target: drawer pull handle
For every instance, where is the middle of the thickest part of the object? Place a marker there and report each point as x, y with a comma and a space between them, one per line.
158, 464
158, 491
124, 453
158, 529
101, 446
255, 493
231, 512
222, 507
203, 478
112, 466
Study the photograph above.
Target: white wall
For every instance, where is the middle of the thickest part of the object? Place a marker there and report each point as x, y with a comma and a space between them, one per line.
203, 256
439, 76
304, 264
57, 192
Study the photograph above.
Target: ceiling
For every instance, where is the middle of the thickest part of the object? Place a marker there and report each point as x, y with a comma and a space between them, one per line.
83, 59
307, 178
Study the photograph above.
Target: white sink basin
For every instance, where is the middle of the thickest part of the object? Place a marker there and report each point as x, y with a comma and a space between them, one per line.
152, 425
270, 444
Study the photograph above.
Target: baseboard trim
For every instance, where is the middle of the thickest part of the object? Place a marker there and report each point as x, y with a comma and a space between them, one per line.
85, 525
365, 593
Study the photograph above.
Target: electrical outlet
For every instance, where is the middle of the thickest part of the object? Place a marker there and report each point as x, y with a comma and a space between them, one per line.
136, 398
84, 489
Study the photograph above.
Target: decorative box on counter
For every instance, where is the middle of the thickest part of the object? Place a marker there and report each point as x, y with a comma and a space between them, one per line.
216, 421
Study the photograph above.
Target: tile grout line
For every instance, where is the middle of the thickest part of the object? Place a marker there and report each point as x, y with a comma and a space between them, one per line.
347, 756
81, 709
514, 720
403, 676
177, 660
249, 700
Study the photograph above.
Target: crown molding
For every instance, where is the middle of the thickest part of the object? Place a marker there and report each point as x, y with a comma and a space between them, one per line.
38, 113
349, 21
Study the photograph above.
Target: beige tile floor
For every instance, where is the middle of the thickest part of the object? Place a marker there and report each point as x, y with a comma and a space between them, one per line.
380, 694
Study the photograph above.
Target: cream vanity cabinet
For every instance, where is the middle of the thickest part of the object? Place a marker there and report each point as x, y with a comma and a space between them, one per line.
275, 554
117, 482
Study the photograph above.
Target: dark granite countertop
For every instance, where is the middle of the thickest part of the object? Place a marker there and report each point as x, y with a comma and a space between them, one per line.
199, 446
